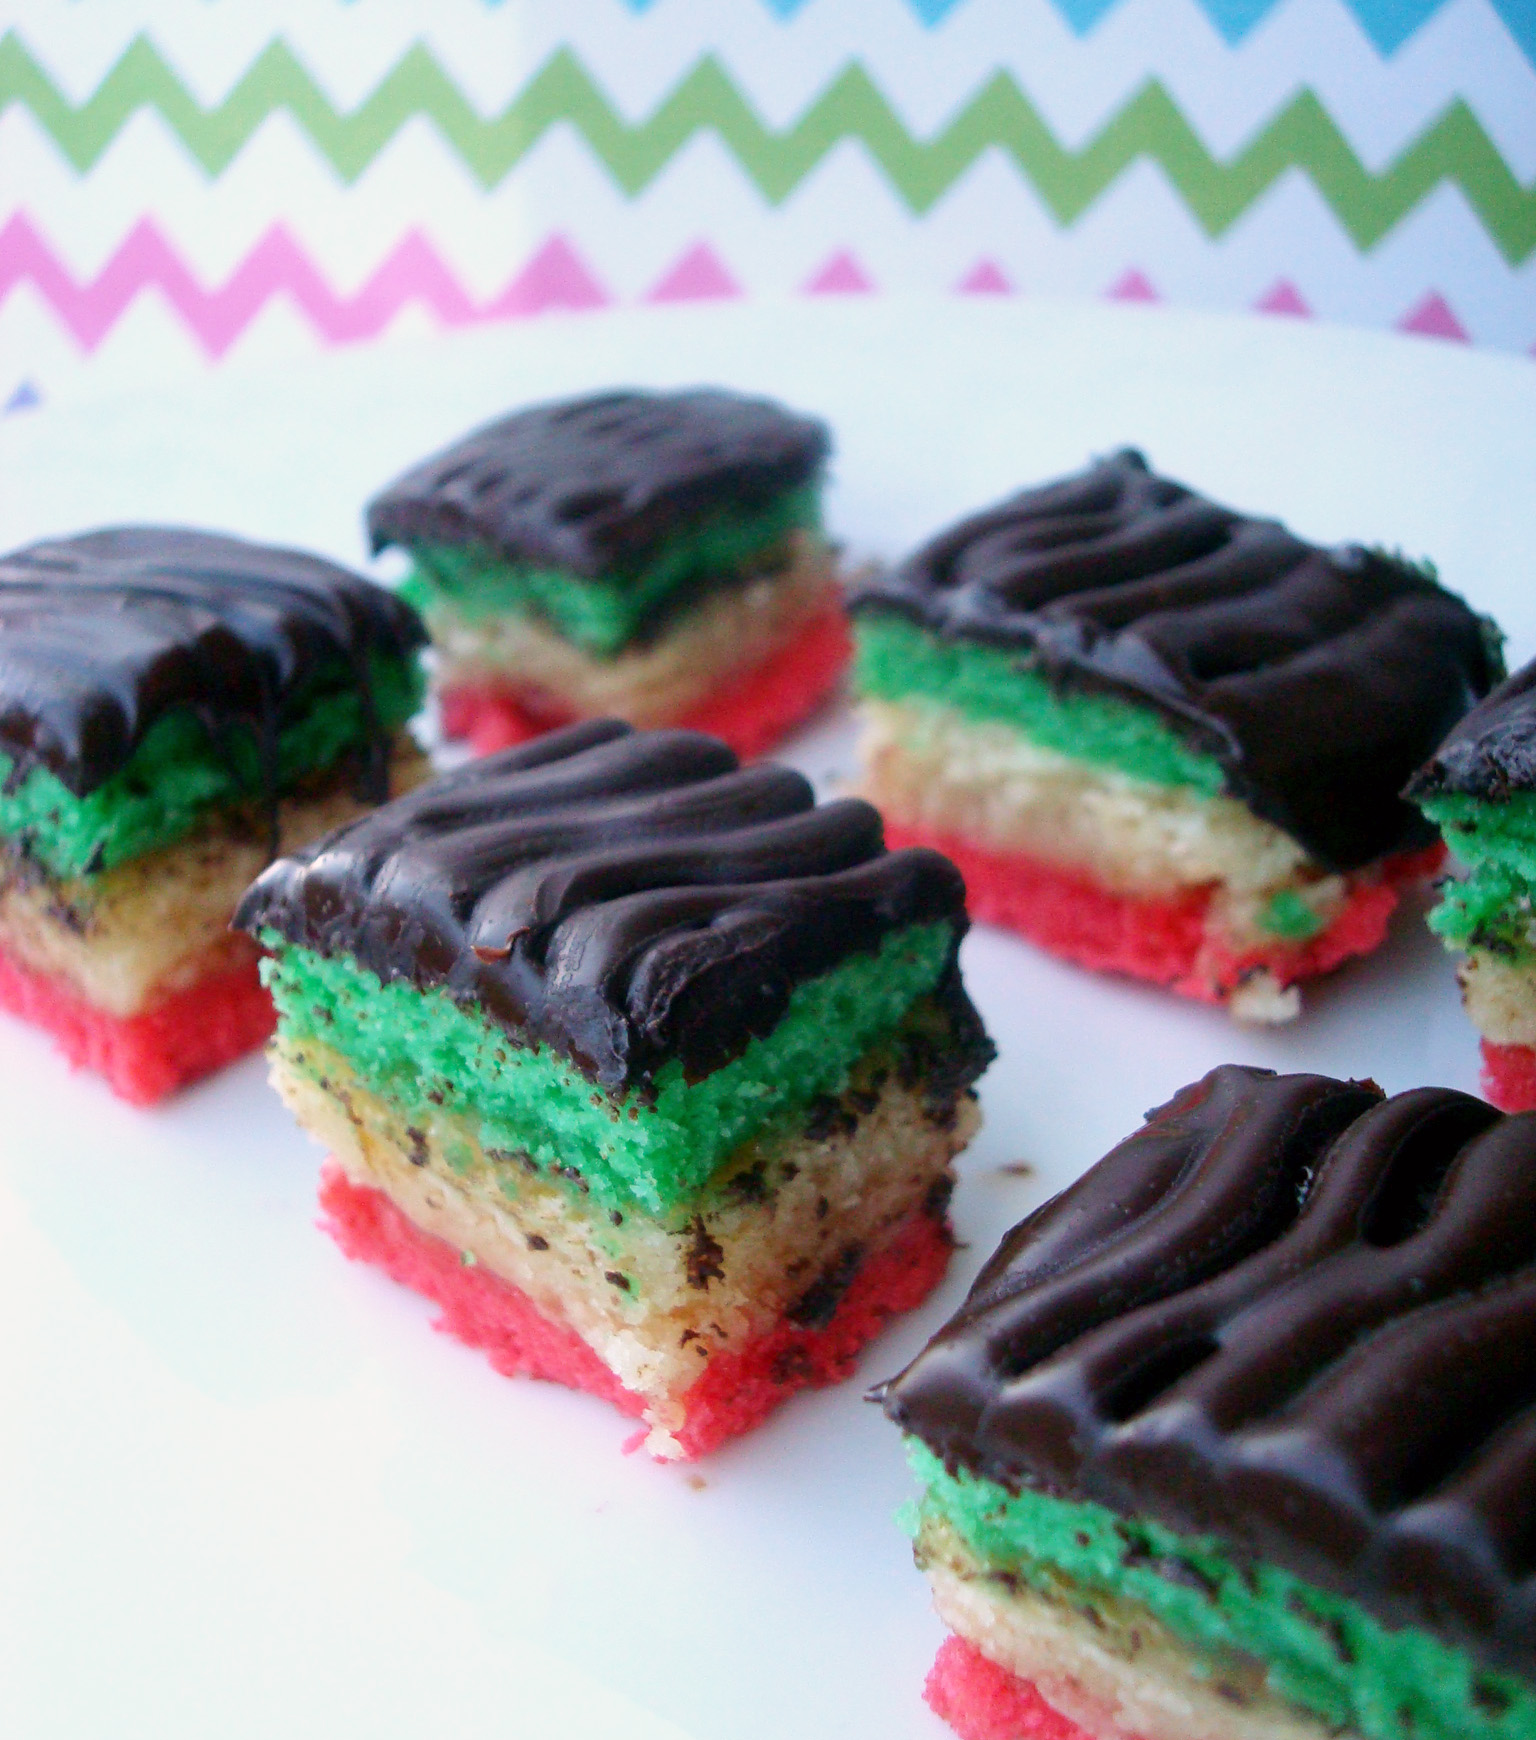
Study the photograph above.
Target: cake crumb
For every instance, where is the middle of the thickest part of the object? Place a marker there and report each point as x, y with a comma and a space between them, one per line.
1263, 1000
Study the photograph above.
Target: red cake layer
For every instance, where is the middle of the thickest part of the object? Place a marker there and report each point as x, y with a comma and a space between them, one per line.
1509, 1076
479, 1308
1164, 940
751, 711
173, 1043
982, 1701
737, 1390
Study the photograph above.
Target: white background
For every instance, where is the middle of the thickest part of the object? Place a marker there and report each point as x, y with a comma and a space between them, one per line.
244, 1490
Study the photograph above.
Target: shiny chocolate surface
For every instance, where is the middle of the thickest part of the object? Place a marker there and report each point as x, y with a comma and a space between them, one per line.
1492, 753
1291, 1314
594, 484
1319, 679
103, 634
624, 896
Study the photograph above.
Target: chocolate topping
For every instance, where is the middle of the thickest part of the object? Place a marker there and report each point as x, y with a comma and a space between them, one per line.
1319, 679
103, 634
596, 484
1289, 1313
624, 897
1492, 752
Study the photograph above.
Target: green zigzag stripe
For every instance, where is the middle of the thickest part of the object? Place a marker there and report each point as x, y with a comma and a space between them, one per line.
1302, 136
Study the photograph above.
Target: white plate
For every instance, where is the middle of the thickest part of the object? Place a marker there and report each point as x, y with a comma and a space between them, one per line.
244, 1490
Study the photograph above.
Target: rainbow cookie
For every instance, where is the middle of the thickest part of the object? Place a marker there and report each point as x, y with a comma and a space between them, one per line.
1235, 1439
655, 557
1479, 788
645, 1068
174, 706
1160, 738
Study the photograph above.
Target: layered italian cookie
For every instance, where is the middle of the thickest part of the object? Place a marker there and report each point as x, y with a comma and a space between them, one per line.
644, 1067
1479, 789
1236, 1438
655, 557
175, 707
1161, 738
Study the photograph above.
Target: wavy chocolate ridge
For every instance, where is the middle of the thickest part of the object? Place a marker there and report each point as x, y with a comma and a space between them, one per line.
1289, 1313
103, 634
598, 484
1319, 679
1492, 753
624, 896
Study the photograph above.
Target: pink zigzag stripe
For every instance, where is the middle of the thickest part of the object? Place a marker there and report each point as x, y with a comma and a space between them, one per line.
985, 278
1283, 297
1132, 286
699, 276
841, 275
1434, 318
413, 273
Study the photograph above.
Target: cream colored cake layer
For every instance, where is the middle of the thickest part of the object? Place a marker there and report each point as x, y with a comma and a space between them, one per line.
788, 1217
1123, 1676
926, 765
159, 922
992, 785
729, 630
1500, 997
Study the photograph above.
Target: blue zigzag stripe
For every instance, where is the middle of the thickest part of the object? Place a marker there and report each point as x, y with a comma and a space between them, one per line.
1388, 23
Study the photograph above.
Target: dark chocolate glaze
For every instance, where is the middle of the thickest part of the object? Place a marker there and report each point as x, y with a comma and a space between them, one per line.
1289, 1313
597, 484
103, 634
624, 897
1319, 679
1492, 753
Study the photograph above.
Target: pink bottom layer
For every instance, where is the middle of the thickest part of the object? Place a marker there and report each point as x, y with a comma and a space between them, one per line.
1509, 1076
737, 1390
144, 1057
751, 712
1164, 940
982, 1701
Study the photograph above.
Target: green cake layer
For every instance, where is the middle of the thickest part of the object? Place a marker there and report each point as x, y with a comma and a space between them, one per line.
1287, 916
605, 614
895, 660
427, 1055
1323, 1651
177, 775
1492, 907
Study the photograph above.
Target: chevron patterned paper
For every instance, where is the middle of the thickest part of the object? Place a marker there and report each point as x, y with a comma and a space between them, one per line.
184, 181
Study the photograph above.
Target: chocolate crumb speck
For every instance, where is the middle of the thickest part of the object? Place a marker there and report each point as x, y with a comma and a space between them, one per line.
792, 1366
817, 1305
826, 1118
749, 1185
1489, 1697
705, 1259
